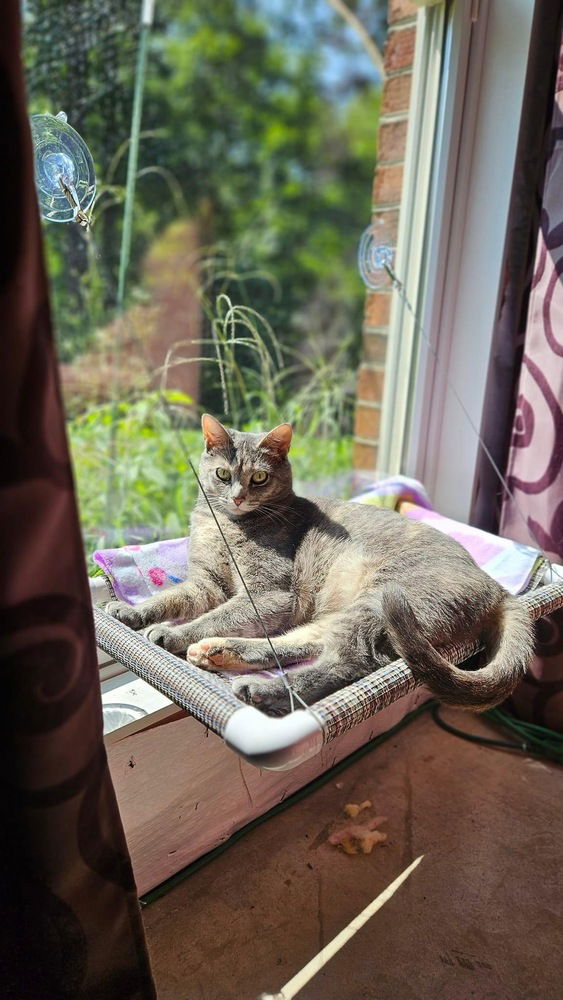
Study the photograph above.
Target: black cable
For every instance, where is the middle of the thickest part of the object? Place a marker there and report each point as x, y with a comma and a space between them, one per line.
472, 737
534, 739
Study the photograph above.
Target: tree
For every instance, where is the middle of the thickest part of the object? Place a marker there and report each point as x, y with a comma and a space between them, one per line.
241, 124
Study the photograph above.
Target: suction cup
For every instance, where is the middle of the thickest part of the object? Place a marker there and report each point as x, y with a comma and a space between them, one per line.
375, 259
64, 170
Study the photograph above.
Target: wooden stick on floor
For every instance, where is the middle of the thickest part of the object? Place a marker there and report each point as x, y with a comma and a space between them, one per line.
300, 980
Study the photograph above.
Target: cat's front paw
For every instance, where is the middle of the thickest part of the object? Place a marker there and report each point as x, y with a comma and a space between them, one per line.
270, 696
226, 654
168, 637
125, 613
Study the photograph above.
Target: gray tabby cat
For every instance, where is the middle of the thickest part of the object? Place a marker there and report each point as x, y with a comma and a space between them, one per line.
352, 586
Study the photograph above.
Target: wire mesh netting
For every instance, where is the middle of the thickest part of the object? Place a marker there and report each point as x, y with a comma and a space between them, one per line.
74, 54
79, 57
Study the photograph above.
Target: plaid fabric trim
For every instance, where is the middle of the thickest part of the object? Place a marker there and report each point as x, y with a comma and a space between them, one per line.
544, 600
211, 700
204, 695
346, 708
351, 705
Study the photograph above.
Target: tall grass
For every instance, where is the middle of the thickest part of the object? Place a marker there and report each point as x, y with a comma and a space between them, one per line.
264, 382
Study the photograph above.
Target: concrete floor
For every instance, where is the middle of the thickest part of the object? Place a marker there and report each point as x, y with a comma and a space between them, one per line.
481, 917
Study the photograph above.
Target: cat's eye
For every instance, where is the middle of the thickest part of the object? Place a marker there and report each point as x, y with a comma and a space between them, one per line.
223, 474
259, 478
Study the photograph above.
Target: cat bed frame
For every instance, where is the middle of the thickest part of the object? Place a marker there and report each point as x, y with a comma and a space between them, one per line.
278, 743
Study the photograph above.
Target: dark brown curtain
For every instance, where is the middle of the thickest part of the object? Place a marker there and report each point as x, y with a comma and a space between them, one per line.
70, 924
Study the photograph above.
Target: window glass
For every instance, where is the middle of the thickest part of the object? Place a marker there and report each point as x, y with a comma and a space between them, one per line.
241, 296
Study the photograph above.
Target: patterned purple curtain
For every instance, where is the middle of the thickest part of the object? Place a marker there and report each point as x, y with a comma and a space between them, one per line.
518, 265
535, 461
70, 924
522, 416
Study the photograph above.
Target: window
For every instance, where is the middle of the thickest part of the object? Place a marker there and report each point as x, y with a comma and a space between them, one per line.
453, 275
253, 184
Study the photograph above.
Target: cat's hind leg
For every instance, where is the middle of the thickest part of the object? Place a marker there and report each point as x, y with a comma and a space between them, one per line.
355, 645
309, 684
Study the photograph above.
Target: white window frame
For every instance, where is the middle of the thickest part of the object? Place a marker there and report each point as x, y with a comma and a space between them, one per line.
450, 260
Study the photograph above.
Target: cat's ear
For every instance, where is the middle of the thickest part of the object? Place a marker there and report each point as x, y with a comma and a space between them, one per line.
278, 440
216, 436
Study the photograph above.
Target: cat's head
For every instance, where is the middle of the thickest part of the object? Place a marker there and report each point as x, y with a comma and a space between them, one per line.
242, 472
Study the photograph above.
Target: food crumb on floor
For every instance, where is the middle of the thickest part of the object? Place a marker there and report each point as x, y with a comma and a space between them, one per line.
359, 838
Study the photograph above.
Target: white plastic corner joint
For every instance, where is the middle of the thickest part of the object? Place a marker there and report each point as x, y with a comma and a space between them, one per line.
276, 744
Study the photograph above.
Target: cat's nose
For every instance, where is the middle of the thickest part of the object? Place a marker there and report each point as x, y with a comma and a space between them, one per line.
238, 500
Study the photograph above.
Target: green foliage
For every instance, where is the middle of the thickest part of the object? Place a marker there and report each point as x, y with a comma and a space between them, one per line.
240, 133
269, 164
79, 57
155, 490
260, 380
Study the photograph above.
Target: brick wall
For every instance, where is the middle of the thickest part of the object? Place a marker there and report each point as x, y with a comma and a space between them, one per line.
387, 186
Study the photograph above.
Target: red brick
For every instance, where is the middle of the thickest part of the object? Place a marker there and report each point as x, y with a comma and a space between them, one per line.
399, 49
391, 141
367, 423
375, 348
400, 10
369, 385
396, 94
365, 456
386, 225
388, 185
378, 305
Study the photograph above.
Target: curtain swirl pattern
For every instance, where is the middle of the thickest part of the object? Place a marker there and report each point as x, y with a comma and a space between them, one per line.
69, 914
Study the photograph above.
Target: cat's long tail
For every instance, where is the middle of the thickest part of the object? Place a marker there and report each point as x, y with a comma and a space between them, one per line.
472, 689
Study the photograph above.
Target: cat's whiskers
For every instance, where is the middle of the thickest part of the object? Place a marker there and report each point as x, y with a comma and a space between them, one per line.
271, 517
275, 516
216, 502
275, 511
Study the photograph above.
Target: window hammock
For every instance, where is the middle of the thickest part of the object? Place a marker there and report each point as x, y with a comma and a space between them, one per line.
278, 743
